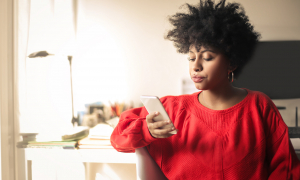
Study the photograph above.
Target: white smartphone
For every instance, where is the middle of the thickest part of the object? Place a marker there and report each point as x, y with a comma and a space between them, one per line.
153, 104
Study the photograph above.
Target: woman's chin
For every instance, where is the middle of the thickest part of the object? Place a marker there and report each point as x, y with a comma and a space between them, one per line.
199, 87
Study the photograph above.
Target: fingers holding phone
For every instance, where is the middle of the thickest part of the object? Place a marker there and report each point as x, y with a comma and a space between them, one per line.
159, 129
158, 120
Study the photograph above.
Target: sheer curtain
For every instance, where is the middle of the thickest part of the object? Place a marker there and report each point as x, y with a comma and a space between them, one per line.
43, 84
45, 93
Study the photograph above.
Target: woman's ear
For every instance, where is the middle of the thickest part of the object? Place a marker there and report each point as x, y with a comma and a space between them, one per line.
232, 68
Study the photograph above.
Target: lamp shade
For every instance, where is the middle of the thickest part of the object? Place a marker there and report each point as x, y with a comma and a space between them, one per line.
39, 54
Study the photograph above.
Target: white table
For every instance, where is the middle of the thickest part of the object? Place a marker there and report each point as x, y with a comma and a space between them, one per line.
105, 155
84, 156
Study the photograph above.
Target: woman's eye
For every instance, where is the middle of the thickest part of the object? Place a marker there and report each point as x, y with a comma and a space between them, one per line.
190, 59
207, 59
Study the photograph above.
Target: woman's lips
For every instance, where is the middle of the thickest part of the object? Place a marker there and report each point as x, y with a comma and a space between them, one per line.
197, 79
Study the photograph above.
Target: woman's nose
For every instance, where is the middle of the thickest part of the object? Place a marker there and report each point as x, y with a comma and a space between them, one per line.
197, 66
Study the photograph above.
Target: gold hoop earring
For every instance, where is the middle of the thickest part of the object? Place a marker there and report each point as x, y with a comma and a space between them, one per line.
232, 76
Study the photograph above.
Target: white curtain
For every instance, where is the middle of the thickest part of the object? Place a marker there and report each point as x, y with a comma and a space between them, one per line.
43, 84
22, 26
23, 21
45, 95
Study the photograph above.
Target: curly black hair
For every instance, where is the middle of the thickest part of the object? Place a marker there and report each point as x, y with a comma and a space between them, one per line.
225, 27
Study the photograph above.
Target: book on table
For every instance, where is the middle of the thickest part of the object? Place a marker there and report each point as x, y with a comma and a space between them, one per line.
67, 141
89, 143
76, 134
99, 137
53, 144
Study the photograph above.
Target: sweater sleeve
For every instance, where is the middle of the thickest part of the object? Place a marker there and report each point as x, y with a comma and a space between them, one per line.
132, 131
282, 159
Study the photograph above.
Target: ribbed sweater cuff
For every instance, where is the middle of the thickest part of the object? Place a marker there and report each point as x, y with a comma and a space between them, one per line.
147, 136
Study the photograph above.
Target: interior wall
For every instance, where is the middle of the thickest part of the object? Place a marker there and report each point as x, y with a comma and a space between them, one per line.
150, 64
132, 32
276, 20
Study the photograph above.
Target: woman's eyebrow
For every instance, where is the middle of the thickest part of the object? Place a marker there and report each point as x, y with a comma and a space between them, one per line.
208, 50
204, 50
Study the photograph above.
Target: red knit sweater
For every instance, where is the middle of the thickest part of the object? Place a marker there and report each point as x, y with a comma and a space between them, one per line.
247, 141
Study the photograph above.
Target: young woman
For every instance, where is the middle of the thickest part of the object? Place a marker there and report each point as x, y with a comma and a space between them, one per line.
224, 132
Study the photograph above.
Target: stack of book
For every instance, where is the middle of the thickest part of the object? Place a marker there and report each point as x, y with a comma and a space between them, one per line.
78, 133
79, 138
99, 137
53, 144
67, 141
89, 143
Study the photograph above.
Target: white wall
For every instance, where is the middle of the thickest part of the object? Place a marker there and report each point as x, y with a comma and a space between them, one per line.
274, 19
150, 64
140, 61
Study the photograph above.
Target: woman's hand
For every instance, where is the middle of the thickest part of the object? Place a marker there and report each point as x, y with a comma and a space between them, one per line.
154, 126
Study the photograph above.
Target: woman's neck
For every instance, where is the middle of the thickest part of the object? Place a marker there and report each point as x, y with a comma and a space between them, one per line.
222, 98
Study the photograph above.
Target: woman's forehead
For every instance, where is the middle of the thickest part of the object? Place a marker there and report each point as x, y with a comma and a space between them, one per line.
193, 48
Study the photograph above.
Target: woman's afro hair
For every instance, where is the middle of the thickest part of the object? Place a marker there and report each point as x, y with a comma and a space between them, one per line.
225, 27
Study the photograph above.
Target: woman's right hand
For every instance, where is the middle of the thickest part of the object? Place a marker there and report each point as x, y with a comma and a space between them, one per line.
155, 126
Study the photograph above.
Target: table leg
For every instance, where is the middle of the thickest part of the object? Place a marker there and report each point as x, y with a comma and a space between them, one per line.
29, 170
87, 171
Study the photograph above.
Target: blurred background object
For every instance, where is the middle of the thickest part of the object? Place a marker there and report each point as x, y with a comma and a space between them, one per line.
74, 119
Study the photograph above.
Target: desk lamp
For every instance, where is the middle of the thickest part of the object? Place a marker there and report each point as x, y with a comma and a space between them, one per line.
45, 54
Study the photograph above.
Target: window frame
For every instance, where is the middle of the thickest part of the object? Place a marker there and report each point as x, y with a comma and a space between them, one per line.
9, 90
